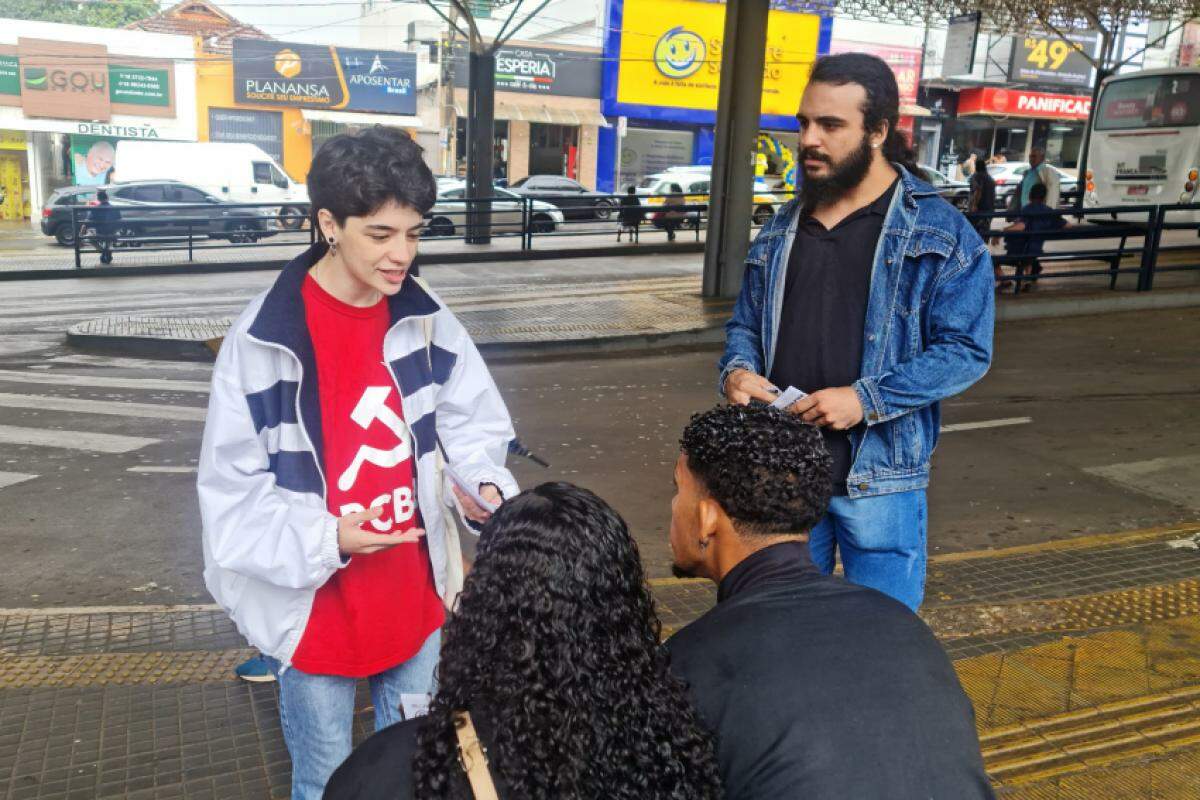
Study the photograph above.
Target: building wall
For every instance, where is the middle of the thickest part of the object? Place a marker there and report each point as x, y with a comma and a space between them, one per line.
214, 89
518, 150
588, 142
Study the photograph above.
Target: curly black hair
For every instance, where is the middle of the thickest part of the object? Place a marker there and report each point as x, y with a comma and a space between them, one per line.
354, 174
556, 640
767, 468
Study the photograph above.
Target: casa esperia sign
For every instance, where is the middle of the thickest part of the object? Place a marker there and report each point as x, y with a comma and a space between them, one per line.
539, 70
324, 77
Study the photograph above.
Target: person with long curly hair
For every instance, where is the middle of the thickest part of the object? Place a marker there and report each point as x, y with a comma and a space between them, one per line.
555, 652
816, 688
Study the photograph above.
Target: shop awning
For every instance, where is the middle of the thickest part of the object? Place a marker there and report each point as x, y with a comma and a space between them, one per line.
540, 112
914, 110
359, 118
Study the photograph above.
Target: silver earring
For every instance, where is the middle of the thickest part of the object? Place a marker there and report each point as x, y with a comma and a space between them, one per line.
332, 247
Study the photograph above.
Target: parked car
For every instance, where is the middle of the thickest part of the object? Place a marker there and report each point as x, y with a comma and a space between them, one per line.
158, 208
1008, 177
449, 213
573, 198
957, 193
696, 188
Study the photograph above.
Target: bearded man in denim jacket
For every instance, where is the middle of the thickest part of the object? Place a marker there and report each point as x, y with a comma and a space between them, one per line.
873, 295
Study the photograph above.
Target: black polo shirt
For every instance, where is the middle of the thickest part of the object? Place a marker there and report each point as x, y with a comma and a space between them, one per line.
825, 308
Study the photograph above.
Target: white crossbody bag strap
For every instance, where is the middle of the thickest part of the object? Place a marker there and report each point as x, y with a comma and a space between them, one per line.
454, 557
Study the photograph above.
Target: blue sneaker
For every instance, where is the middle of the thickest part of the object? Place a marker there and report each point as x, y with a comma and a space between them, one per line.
255, 670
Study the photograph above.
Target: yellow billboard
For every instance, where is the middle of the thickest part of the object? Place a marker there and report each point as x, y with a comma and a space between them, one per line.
671, 55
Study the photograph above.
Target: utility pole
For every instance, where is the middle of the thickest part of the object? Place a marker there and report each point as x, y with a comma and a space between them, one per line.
481, 107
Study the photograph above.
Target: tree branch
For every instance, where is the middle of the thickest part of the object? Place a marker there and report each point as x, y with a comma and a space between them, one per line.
521, 24
449, 21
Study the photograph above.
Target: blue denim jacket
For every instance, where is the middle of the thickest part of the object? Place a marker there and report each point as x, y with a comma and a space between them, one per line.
928, 329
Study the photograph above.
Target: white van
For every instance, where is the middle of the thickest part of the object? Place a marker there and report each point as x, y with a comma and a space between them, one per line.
236, 172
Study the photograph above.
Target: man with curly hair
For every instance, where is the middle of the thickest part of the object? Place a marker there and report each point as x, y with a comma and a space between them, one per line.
814, 687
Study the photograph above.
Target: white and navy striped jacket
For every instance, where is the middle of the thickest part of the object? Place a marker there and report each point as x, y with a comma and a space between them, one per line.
269, 542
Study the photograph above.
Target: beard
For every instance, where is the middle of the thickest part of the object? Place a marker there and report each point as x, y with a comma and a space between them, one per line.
843, 176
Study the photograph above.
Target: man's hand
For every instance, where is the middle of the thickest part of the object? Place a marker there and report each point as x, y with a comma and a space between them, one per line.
742, 386
471, 509
354, 541
838, 408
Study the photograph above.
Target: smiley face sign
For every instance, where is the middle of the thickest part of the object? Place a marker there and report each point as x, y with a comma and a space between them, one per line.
679, 53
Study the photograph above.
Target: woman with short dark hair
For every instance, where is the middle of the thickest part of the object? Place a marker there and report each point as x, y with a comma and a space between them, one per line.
320, 491
554, 652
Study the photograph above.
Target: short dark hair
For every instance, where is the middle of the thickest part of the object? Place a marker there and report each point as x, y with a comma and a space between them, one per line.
101, 195
883, 98
768, 469
1037, 192
355, 174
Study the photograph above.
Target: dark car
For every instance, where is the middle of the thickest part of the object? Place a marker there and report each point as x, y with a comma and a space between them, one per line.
575, 200
957, 193
157, 208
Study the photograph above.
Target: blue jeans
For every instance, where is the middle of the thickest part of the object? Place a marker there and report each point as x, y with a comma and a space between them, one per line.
882, 542
317, 712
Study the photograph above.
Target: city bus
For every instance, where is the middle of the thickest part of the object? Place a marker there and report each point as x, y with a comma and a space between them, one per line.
1145, 140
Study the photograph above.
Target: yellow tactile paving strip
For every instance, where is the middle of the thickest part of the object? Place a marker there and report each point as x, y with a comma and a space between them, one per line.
1083, 702
116, 669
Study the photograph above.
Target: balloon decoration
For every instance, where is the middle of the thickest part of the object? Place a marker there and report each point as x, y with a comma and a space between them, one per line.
768, 144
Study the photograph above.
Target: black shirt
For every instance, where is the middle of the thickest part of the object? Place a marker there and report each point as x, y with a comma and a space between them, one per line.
825, 308
819, 689
381, 767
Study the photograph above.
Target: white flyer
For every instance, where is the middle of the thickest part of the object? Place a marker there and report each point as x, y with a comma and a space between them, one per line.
787, 397
469, 490
414, 705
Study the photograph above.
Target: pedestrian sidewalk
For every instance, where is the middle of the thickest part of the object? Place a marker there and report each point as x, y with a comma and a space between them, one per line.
584, 311
1082, 658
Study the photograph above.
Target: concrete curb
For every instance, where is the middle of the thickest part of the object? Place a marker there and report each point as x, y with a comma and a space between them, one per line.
1024, 309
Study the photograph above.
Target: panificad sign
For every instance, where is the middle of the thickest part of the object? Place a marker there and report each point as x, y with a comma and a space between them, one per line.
71, 80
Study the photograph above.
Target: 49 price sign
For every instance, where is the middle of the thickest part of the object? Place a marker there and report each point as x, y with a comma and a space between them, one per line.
1053, 60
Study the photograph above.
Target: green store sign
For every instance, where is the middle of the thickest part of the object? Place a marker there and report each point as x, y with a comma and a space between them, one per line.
139, 86
10, 75
135, 86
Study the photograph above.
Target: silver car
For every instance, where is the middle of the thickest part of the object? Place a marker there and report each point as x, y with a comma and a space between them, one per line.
448, 217
1008, 177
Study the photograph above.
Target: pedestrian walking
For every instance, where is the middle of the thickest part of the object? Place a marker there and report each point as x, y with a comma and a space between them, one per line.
335, 398
873, 295
1040, 172
105, 222
554, 661
815, 688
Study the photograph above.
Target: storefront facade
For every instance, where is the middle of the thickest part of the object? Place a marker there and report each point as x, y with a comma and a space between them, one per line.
1013, 121
547, 112
661, 72
69, 94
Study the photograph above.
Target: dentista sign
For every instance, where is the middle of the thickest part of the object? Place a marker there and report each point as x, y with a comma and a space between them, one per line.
1018, 103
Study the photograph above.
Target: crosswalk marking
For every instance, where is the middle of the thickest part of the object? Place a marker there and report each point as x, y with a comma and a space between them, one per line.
73, 440
989, 423
121, 362
162, 470
13, 478
101, 382
107, 407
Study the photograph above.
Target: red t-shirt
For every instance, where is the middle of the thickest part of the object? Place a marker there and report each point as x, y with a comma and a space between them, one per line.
375, 613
